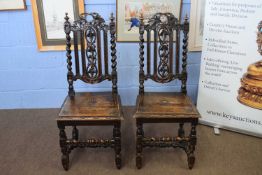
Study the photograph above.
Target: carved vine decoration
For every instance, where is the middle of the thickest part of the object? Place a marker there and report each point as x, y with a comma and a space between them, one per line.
83, 24
92, 28
163, 51
159, 19
164, 24
90, 35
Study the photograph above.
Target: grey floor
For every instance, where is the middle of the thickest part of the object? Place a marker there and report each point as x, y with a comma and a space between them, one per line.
29, 145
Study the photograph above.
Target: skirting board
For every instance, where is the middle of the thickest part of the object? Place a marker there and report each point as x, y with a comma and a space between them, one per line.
203, 122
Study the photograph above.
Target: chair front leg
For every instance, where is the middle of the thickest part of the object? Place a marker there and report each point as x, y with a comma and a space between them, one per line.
75, 133
181, 131
139, 146
64, 148
117, 146
191, 146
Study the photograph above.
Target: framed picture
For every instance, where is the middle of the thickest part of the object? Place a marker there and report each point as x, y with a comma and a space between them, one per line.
197, 17
129, 12
49, 21
12, 5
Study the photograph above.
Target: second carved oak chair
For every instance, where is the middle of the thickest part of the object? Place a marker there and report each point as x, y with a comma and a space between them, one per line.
163, 107
91, 66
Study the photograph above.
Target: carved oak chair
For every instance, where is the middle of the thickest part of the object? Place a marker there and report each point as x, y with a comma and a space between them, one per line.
164, 107
91, 66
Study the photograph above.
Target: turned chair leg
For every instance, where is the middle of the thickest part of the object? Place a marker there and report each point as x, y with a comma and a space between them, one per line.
75, 133
139, 146
64, 148
117, 139
191, 146
181, 132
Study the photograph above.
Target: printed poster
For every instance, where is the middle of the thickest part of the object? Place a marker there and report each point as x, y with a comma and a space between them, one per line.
230, 85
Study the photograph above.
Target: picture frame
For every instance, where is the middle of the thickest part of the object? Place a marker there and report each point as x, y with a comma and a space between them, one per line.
49, 21
196, 28
12, 5
129, 11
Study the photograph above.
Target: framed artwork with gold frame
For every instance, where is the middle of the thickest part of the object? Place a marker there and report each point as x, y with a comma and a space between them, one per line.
49, 21
130, 11
196, 30
12, 5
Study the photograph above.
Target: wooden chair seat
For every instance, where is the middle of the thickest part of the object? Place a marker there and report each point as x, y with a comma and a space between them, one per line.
91, 106
165, 105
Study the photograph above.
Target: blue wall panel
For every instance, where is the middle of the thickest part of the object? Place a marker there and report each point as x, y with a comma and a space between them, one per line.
33, 79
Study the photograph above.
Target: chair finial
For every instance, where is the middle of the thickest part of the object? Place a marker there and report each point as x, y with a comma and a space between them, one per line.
66, 16
141, 18
186, 18
112, 18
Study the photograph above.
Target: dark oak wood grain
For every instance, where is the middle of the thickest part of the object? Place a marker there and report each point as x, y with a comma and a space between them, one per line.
165, 105
92, 105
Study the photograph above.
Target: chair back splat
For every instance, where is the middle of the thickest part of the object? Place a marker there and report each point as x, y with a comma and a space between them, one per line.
91, 50
160, 32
